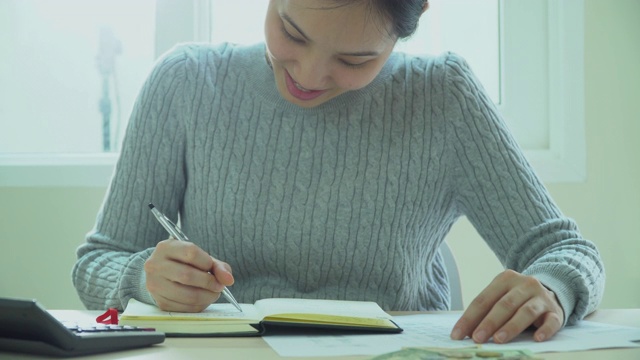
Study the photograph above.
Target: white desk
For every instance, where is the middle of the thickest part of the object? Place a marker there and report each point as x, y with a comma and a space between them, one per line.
254, 348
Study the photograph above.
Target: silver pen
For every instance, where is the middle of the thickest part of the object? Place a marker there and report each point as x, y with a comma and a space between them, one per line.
176, 233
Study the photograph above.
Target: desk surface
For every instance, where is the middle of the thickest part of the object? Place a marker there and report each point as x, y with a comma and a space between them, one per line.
256, 348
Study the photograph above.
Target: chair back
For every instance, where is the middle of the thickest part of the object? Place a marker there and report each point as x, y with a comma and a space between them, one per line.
454, 277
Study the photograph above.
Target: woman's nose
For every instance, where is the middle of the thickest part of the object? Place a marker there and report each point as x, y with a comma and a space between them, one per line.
313, 73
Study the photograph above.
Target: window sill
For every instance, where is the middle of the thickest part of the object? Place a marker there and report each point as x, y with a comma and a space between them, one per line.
56, 170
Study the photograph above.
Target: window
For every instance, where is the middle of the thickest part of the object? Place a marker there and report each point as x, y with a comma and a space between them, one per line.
68, 79
73, 68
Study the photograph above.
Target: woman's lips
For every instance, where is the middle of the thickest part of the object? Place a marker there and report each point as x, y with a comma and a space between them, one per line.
298, 91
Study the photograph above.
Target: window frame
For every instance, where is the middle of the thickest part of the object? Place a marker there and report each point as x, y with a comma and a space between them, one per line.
562, 160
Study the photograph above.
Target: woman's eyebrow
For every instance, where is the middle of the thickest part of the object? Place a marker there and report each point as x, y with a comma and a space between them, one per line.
288, 19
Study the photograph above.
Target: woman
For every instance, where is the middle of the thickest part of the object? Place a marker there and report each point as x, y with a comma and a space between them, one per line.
323, 165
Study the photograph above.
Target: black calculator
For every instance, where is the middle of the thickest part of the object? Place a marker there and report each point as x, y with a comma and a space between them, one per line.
27, 327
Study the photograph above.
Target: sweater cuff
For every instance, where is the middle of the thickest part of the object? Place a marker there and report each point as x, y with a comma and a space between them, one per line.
134, 280
565, 295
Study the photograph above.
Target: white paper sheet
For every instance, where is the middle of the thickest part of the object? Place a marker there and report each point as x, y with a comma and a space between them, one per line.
433, 330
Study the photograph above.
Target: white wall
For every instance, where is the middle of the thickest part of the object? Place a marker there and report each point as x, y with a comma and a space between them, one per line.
41, 227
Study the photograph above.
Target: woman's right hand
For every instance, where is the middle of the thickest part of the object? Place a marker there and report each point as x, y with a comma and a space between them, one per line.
182, 277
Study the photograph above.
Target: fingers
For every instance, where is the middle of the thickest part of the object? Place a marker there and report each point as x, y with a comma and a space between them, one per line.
182, 277
526, 314
186, 253
191, 254
173, 296
517, 309
222, 272
188, 275
479, 308
508, 306
551, 325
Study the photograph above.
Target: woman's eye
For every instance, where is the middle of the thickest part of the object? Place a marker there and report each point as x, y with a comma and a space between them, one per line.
291, 37
352, 65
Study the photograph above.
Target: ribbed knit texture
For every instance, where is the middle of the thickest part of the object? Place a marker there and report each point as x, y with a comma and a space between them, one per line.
347, 200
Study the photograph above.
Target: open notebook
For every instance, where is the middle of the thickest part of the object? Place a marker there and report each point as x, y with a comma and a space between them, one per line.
222, 319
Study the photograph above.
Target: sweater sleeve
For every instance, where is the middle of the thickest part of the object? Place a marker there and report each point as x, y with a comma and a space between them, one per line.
508, 204
110, 264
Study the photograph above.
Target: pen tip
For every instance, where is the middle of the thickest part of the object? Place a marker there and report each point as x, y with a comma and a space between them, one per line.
151, 206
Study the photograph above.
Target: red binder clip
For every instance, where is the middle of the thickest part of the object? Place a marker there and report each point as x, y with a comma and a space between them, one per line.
110, 317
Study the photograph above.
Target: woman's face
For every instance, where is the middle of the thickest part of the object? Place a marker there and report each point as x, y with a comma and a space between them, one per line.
318, 52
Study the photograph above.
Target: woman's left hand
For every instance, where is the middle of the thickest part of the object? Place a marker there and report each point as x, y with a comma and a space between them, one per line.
507, 307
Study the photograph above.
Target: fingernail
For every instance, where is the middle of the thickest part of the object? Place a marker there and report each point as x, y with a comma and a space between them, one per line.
456, 334
500, 337
541, 337
479, 336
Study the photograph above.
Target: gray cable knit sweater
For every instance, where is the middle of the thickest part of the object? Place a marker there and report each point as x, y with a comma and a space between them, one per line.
347, 200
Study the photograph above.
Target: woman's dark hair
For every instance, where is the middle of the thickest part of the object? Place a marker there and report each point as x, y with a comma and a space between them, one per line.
403, 14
